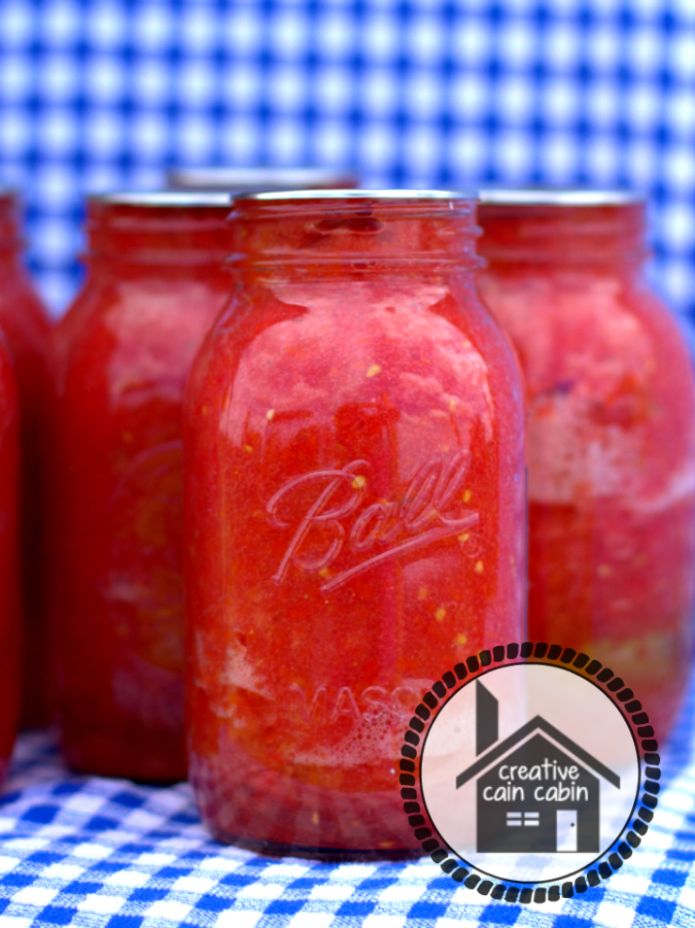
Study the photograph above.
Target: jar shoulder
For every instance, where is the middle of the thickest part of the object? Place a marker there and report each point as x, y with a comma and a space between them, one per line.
583, 321
324, 375
362, 329
136, 331
24, 320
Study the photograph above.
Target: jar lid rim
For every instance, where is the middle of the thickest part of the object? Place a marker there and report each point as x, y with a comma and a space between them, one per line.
254, 178
164, 199
351, 193
559, 196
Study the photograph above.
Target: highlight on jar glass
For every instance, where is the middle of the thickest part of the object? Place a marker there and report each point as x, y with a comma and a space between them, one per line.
25, 324
611, 433
247, 180
155, 281
10, 616
354, 507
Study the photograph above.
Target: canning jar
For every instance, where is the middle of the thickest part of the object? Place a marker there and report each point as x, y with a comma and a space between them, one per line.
611, 433
25, 324
155, 281
354, 510
10, 615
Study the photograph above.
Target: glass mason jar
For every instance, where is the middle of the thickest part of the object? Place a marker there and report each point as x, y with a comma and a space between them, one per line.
241, 180
354, 510
27, 330
611, 433
155, 282
10, 616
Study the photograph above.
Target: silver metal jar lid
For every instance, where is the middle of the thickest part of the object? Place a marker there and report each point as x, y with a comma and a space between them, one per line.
557, 196
357, 194
240, 180
165, 199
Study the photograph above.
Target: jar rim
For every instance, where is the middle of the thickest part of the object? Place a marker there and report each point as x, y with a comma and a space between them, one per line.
254, 179
559, 196
162, 199
351, 193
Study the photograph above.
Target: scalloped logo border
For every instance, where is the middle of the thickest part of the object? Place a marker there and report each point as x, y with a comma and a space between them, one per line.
609, 861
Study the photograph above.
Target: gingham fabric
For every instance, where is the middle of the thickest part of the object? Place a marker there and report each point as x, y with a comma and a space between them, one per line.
96, 852
107, 94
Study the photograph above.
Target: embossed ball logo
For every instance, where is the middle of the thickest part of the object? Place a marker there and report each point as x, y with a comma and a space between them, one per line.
328, 514
529, 772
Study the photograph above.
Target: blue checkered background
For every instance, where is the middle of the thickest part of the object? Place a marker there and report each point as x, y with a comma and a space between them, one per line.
108, 94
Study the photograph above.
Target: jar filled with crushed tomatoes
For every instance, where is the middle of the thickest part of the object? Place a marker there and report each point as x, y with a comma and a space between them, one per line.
354, 510
27, 330
611, 433
10, 502
155, 282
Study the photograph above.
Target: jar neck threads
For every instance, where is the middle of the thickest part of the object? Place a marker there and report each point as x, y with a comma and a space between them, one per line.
563, 234
365, 228
159, 230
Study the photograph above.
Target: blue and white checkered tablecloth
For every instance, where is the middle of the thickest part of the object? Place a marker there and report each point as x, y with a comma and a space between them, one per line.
104, 94
95, 852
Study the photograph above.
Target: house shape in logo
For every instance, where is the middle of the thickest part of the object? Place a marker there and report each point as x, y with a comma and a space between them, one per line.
556, 810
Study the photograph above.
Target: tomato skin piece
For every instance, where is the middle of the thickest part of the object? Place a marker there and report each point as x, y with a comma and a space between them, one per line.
611, 434
354, 516
27, 330
155, 283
